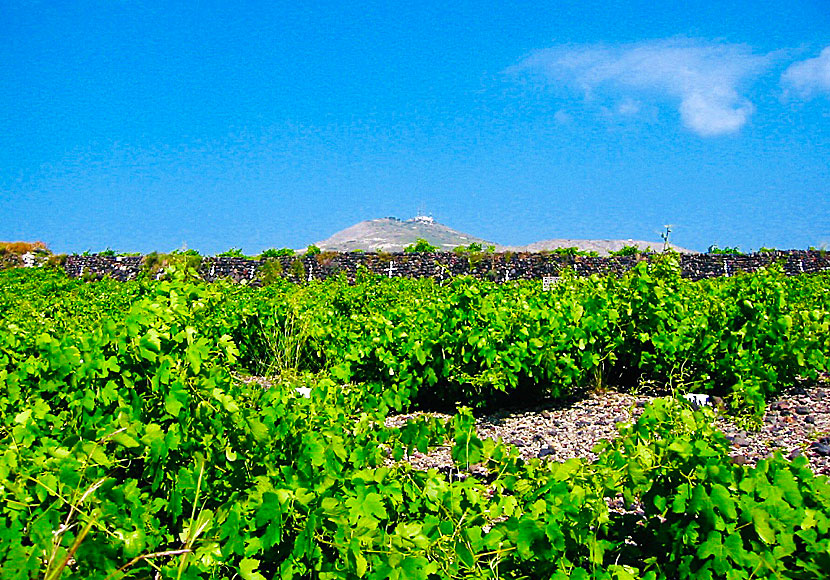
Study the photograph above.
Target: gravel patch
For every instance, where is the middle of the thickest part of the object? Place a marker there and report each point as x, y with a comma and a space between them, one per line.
798, 423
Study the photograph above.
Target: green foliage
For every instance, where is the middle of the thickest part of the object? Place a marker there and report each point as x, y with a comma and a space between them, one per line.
56, 261
151, 263
297, 270
274, 253
131, 448
742, 338
630, 251
474, 248
108, 253
574, 251
187, 262
475, 254
420, 245
271, 271
714, 249
706, 517
312, 250
232, 253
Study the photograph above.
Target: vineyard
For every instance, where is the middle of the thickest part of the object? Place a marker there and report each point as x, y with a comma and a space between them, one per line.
138, 438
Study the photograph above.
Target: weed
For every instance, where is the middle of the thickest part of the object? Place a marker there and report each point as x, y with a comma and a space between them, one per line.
271, 271
297, 270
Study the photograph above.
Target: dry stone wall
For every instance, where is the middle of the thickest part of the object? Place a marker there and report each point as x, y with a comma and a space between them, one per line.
119, 268
496, 267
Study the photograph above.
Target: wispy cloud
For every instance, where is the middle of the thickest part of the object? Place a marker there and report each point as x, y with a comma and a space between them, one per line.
704, 78
628, 107
810, 77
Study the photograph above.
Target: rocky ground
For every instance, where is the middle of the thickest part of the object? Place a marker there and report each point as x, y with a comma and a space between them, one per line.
798, 423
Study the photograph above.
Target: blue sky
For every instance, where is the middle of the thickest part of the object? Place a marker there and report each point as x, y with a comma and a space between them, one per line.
146, 126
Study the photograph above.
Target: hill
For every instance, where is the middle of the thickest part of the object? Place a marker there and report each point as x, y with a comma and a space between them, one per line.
393, 235
602, 247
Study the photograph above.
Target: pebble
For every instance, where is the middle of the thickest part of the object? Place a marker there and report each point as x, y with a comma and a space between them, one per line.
822, 446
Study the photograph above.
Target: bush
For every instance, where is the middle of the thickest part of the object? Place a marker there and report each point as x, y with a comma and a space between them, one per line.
56, 261
474, 248
631, 251
574, 251
325, 258
275, 253
188, 261
420, 245
714, 249
232, 253
271, 271
297, 270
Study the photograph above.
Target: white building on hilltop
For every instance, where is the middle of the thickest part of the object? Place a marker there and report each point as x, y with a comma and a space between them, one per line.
422, 219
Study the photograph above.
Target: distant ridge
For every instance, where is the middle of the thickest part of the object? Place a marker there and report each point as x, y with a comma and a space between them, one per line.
391, 234
602, 247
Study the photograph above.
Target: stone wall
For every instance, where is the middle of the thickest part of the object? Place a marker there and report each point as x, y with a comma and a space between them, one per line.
496, 267
120, 268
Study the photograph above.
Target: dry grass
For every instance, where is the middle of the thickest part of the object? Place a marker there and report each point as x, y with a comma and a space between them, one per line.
20, 248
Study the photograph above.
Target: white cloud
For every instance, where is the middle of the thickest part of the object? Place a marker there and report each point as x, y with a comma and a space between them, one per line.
711, 114
703, 77
809, 77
